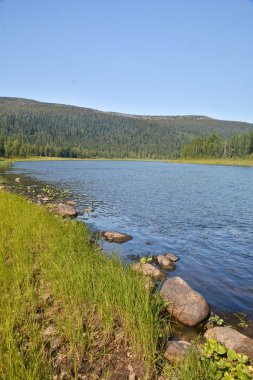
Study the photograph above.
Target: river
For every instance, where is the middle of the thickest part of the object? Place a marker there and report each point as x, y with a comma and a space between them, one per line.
202, 213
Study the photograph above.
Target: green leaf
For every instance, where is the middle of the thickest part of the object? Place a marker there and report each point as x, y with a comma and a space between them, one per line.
243, 372
227, 376
219, 375
222, 365
242, 358
232, 355
220, 349
212, 341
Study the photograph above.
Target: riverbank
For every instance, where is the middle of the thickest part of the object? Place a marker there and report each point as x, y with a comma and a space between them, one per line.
204, 161
82, 301
67, 307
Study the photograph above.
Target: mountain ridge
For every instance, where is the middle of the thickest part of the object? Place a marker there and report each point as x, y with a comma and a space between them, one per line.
70, 131
24, 101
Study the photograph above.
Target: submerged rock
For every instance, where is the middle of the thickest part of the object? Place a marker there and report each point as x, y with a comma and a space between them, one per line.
44, 199
149, 284
64, 210
116, 237
70, 203
171, 256
185, 304
232, 339
165, 262
148, 270
176, 350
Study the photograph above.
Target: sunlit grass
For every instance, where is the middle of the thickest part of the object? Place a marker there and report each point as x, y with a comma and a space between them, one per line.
193, 367
203, 161
95, 294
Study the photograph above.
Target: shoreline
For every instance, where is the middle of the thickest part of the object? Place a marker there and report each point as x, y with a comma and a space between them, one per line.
228, 315
206, 161
146, 326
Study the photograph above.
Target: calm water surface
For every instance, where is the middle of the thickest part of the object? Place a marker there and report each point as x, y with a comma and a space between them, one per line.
202, 213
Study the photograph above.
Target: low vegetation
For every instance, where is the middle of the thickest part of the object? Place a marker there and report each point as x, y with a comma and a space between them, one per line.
55, 284
226, 364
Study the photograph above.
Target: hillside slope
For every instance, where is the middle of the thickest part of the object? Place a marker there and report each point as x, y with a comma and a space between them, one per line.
38, 128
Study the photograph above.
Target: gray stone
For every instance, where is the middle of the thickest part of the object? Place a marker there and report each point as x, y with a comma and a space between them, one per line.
232, 339
44, 199
149, 284
17, 180
116, 237
64, 210
49, 332
171, 256
176, 350
56, 342
165, 262
148, 270
185, 304
70, 203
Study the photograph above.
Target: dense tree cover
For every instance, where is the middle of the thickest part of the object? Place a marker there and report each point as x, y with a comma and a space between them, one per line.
216, 146
29, 128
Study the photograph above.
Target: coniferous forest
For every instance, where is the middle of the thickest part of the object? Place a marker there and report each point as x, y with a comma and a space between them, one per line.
31, 128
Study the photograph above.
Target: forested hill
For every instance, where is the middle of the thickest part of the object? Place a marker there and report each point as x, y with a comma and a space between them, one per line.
29, 127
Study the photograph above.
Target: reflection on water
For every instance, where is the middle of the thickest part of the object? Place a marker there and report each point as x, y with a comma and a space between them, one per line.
202, 213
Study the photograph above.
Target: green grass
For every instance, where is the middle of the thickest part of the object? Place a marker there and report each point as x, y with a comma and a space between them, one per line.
216, 161
51, 277
94, 297
5, 164
194, 367
201, 161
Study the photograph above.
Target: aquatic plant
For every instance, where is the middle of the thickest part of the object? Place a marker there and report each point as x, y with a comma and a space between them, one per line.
215, 319
146, 259
227, 364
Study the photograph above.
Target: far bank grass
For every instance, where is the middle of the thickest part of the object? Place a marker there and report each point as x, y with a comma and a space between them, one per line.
203, 161
96, 297
212, 161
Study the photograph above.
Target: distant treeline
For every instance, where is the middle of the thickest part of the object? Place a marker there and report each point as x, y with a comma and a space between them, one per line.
30, 128
215, 146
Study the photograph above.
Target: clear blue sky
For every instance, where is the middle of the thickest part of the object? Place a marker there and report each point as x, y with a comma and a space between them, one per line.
164, 57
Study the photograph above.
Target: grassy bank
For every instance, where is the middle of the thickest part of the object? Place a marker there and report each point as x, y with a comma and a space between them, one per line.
68, 311
203, 161
59, 290
218, 161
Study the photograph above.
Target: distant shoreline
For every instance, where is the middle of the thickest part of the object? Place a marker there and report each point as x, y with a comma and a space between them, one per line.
206, 161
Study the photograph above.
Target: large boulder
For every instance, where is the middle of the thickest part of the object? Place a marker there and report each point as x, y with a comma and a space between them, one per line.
116, 237
176, 350
185, 304
64, 210
232, 339
148, 270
